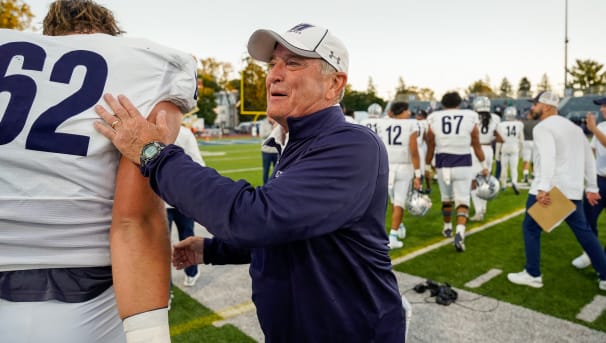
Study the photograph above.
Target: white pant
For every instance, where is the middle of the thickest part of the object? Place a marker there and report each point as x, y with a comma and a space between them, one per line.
94, 321
455, 184
476, 166
509, 161
527, 151
400, 177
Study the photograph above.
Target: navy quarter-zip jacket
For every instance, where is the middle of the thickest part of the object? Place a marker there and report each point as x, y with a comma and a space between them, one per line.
314, 235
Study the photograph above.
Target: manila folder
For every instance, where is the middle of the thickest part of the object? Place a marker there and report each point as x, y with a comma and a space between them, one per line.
552, 215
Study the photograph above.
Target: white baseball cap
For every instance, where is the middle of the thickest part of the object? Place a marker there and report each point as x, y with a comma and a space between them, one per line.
547, 98
304, 40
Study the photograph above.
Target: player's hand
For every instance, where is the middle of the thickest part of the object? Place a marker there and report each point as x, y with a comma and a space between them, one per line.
593, 198
188, 252
543, 198
485, 172
127, 129
416, 183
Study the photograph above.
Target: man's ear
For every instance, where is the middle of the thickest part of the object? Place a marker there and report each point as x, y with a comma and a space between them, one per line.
337, 84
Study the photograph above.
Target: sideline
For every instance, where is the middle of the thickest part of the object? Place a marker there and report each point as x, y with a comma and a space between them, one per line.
447, 241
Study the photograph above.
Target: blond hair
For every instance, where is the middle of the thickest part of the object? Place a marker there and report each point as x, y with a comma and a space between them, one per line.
66, 17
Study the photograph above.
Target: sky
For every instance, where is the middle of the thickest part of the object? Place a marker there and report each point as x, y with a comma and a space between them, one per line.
443, 45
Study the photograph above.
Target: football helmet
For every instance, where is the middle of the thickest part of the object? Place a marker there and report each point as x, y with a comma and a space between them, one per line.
374, 110
510, 113
481, 104
417, 203
487, 187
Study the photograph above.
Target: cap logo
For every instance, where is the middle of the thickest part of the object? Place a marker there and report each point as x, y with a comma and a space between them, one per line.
332, 55
300, 27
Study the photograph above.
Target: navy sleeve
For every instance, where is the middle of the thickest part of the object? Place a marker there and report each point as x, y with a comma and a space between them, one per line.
320, 189
217, 252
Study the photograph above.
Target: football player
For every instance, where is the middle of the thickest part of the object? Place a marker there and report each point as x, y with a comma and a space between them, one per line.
421, 116
451, 132
512, 132
399, 134
528, 148
66, 195
488, 134
375, 111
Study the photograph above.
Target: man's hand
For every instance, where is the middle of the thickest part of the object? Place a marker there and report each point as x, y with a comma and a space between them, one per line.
543, 198
127, 129
593, 198
188, 252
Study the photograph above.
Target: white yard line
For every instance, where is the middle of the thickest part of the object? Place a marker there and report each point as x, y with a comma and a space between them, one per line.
449, 240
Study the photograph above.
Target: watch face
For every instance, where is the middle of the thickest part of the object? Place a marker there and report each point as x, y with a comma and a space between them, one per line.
150, 151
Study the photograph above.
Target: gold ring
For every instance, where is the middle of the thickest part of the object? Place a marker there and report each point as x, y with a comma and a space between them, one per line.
113, 124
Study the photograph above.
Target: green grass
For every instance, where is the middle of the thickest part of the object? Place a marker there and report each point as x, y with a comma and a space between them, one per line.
565, 290
191, 322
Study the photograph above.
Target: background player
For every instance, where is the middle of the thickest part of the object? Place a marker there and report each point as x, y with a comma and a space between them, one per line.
488, 134
512, 132
399, 134
451, 132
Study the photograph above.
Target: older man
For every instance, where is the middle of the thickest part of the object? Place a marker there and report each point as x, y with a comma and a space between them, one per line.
314, 235
563, 159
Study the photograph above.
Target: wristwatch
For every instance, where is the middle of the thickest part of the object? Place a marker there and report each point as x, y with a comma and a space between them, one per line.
150, 151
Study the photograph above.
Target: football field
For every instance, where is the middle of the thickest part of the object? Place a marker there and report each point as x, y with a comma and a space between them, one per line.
569, 308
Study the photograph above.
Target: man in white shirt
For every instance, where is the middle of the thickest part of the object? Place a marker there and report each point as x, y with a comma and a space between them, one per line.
451, 132
598, 144
559, 162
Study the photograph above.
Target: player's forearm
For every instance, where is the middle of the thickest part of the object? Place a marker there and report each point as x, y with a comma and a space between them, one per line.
139, 243
140, 253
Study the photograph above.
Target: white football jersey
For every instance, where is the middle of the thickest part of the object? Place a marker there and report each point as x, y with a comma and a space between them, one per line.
57, 178
512, 133
452, 130
395, 134
423, 126
487, 132
372, 123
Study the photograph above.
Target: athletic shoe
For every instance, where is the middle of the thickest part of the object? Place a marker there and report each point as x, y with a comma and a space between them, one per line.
447, 233
478, 217
523, 278
400, 233
602, 284
394, 243
582, 261
515, 188
459, 242
191, 280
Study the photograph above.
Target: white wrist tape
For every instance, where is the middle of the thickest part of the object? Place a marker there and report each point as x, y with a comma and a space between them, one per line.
147, 327
417, 173
484, 164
